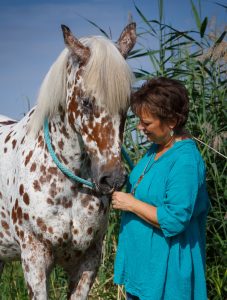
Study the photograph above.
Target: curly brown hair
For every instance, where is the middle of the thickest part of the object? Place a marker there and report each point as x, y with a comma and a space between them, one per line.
166, 98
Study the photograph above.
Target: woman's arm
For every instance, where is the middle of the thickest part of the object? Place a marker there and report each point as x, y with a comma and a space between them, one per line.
127, 202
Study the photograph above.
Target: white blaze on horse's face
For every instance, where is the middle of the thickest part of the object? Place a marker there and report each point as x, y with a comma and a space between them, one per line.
99, 85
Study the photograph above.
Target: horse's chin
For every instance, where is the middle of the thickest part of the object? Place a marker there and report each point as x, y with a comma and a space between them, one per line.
104, 190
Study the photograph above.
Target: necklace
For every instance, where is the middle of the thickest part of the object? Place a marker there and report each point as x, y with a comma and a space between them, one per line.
145, 169
142, 175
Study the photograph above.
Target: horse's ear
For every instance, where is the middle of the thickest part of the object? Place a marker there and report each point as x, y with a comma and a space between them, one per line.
127, 39
75, 46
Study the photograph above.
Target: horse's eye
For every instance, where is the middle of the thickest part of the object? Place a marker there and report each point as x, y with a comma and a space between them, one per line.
86, 103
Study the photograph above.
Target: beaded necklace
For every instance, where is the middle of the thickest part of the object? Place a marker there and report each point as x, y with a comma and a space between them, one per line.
145, 170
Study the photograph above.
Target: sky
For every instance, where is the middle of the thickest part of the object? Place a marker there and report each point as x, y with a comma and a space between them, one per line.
31, 37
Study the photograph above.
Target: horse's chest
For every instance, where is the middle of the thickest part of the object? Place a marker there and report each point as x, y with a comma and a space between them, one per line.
78, 225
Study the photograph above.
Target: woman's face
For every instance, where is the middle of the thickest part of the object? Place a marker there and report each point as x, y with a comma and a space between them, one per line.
156, 130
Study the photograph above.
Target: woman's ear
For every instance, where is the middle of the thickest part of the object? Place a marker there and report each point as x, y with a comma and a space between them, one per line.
172, 123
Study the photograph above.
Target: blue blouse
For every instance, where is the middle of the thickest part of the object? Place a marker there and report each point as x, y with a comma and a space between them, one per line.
166, 263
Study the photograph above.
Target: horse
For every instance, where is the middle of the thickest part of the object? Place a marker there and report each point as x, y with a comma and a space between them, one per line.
47, 218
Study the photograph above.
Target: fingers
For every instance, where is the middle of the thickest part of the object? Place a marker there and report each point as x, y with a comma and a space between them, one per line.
115, 200
114, 195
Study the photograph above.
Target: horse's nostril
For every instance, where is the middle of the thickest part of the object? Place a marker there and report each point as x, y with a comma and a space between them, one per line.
111, 180
106, 180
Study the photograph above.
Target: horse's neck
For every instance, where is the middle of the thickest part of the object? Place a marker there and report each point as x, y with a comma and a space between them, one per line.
66, 143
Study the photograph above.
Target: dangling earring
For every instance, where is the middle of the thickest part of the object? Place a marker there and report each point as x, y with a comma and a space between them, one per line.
171, 132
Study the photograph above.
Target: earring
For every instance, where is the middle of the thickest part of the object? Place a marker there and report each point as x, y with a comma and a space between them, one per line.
171, 132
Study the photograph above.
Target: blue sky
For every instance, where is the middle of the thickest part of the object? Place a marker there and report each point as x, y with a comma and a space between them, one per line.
31, 37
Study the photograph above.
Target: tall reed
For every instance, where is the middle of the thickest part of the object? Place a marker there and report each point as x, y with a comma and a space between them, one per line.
199, 61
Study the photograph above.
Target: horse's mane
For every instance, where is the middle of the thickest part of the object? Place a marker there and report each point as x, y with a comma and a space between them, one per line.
106, 76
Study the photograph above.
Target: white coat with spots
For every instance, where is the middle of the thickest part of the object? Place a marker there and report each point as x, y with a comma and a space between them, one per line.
45, 217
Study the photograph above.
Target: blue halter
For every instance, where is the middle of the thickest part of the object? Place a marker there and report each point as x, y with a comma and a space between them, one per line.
67, 171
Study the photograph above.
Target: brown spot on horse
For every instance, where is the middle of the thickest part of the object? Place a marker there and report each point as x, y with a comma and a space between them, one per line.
5, 225
26, 199
36, 186
33, 167
21, 190
14, 142
41, 224
28, 157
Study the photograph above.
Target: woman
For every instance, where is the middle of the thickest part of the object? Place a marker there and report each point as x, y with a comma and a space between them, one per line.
161, 249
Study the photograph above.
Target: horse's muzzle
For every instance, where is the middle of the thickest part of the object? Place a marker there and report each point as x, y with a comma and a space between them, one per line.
108, 182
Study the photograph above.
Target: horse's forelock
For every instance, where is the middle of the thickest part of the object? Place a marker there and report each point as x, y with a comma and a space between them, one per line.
107, 76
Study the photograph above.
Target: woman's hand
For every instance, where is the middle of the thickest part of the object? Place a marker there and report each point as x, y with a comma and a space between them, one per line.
127, 202
123, 201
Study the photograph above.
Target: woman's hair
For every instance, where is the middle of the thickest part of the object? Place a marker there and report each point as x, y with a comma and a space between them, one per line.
165, 98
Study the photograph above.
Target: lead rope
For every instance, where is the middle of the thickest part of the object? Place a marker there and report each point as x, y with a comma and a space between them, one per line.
127, 158
58, 163
67, 171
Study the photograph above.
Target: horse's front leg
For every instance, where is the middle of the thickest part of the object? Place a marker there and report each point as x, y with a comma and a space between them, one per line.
37, 261
82, 277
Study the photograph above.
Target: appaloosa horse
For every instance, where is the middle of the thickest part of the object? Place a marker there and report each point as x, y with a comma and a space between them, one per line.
45, 217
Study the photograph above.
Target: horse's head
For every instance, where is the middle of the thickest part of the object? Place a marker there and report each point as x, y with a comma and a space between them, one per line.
98, 89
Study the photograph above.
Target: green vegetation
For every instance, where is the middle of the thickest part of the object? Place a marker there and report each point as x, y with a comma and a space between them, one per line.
198, 58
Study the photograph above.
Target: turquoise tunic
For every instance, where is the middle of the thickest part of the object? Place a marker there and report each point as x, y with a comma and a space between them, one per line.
166, 263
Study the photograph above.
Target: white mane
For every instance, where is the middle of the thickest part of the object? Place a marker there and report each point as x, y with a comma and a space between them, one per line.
52, 93
106, 76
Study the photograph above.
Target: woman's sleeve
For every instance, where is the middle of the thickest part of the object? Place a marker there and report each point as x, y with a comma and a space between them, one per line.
181, 193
